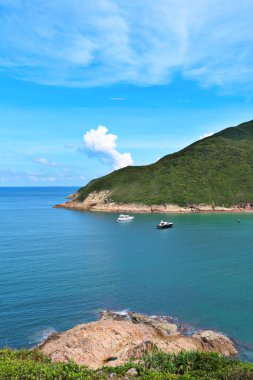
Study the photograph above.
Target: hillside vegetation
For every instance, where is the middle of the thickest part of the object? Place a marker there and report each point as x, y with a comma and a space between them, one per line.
217, 170
32, 365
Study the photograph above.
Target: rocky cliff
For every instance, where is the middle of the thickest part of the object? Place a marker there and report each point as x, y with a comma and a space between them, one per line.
100, 201
117, 337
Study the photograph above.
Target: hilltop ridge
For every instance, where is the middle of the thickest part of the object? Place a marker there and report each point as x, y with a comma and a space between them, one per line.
216, 171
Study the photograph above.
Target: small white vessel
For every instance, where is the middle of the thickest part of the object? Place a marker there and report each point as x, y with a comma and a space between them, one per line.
124, 218
162, 225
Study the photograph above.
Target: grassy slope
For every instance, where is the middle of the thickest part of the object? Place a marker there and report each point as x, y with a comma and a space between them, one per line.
32, 365
216, 170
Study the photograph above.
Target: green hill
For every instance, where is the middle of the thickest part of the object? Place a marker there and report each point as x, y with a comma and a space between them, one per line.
216, 170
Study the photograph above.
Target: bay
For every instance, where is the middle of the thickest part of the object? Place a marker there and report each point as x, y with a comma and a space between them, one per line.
59, 267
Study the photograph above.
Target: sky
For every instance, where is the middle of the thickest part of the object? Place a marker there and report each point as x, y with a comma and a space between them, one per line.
87, 87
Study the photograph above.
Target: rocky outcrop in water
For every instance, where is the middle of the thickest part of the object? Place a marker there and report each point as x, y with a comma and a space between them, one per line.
117, 337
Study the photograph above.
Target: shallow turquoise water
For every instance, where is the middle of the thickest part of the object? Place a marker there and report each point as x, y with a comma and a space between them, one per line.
59, 267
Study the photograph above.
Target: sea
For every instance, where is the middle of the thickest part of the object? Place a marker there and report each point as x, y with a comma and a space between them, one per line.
59, 268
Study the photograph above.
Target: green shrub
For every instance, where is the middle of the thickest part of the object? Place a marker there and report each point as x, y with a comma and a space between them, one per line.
33, 365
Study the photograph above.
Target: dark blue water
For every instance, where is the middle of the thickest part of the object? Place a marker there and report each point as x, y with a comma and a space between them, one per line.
58, 267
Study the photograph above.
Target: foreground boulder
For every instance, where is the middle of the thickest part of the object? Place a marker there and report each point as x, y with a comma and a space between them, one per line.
117, 337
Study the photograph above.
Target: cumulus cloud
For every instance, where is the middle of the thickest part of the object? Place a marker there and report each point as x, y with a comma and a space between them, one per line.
103, 42
98, 142
45, 161
206, 135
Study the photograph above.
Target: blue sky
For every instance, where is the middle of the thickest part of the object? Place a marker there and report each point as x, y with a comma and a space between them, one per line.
158, 75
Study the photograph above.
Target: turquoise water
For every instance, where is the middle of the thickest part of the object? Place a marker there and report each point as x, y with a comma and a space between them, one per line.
59, 267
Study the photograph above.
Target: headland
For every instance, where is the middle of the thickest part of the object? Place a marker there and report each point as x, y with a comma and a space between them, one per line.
117, 337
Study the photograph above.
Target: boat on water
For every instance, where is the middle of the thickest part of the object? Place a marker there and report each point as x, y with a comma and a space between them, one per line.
124, 218
162, 225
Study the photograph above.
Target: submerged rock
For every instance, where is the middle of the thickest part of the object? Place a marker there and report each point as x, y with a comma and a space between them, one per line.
117, 337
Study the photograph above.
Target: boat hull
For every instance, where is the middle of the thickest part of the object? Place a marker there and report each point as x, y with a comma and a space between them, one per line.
124, 220
165, 226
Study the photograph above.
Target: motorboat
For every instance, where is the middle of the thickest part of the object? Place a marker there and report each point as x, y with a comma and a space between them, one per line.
124, 218
163, 225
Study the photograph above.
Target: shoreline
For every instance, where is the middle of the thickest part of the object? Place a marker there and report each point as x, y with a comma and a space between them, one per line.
148, 210
119, 336
100, 202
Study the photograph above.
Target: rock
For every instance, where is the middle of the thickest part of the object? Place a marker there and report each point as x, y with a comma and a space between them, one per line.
112, 375
100, 201
72, 196
161, 327
117, 337
132, 372
213, 341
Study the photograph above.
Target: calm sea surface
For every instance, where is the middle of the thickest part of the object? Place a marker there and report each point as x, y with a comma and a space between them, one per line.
59, 267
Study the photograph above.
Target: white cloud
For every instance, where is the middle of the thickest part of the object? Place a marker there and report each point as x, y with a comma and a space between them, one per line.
71, 146
43, 176
36, 178
93, 43
118, 99
206, 135
33, 178
45, 161
98, 142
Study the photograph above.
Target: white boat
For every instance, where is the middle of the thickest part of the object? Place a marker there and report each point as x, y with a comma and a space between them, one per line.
124, 218
163, 225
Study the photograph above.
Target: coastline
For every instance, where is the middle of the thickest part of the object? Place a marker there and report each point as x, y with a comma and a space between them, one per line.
100, 202
119, 336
